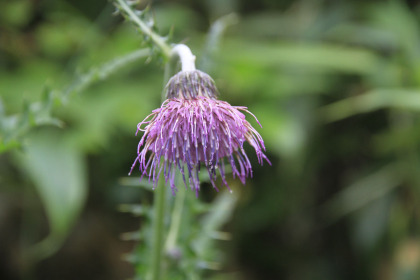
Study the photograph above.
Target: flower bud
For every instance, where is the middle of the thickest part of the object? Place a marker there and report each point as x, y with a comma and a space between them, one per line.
190, 85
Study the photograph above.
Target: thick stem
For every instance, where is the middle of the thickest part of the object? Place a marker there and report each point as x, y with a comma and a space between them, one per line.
158, 229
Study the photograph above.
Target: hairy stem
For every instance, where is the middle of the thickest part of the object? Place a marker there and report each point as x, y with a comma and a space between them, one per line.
158, 40
102, 72
185, 56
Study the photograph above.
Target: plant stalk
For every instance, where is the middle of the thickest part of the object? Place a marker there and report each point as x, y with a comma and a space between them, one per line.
158, 229
187, 59
188, 64
185, 56
158, 40
176, 218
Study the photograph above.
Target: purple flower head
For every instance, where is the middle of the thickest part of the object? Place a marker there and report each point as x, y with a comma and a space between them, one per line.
192, 129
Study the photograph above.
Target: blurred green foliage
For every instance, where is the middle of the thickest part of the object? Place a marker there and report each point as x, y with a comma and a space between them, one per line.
335, 84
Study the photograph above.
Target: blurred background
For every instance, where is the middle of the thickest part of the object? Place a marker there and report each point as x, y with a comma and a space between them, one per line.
335, 84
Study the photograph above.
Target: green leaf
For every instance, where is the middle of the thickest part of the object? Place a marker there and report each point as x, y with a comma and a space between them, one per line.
58, 172
220, 212
15, 13
370, 223
377, 99
315, 57
363, 192
396, 17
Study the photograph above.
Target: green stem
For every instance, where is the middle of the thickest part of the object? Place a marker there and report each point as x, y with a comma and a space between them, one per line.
158, 229
158, 40
184, 54
176, 218
102, 72
187, 59
159, 199
170, 68
213, 39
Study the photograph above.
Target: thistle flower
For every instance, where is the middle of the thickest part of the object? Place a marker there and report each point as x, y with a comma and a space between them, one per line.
193, 128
